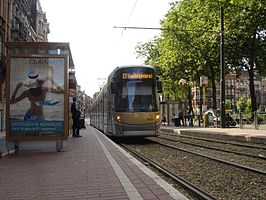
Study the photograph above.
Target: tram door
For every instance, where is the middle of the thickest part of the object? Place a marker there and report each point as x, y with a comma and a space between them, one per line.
109, 112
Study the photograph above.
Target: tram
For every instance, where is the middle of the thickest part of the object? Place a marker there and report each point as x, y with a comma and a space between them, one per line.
128, 104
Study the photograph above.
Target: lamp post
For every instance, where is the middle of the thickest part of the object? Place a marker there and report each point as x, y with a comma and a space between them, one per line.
203, 105
222, 71
182, 82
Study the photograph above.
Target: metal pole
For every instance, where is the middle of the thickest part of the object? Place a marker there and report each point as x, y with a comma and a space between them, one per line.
168, 111
256, 120
222, 74
204, 106
204, 99
190, 107
200, 108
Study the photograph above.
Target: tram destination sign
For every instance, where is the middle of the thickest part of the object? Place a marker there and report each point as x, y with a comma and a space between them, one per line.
137, 76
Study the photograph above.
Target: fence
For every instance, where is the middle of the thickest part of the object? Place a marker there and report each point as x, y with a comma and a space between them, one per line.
256, 120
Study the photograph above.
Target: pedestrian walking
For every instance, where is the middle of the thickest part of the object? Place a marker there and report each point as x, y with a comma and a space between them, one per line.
75, 117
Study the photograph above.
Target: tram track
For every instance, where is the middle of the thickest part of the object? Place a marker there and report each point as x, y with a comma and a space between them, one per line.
241, 144
179, 180
236, 154
220, 180
207, 146
211, 157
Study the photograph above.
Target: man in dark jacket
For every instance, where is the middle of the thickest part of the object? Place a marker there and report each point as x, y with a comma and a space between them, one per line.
75, 117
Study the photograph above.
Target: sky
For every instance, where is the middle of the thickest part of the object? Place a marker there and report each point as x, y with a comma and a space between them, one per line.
97, 47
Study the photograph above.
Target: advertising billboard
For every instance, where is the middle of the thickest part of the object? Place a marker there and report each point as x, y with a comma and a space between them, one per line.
37, 99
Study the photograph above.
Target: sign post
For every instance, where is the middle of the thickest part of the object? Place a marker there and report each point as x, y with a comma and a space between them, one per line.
204, 84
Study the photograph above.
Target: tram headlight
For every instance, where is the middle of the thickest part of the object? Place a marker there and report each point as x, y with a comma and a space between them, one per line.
157, 117
118, 118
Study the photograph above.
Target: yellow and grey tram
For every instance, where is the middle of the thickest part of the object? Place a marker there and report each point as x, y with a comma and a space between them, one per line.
128, 104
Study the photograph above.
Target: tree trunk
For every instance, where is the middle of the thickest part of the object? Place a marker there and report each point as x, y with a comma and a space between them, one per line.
251, 88
190, 107
251, 75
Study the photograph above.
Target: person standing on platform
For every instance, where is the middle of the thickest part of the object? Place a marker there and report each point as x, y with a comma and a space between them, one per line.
163, 120
181, 118
75, 117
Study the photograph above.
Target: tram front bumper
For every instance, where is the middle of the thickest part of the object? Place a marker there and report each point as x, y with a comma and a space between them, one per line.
138, 130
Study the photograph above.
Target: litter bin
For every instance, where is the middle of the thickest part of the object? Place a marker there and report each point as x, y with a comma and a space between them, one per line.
177, 121
209, 119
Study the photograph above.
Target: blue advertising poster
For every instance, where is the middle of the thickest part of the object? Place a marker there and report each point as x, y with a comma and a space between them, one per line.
18, 126
36, 96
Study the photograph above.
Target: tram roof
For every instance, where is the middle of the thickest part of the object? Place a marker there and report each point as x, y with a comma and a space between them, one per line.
130, 66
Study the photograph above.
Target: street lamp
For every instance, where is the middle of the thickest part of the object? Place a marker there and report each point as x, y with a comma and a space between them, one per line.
182, 81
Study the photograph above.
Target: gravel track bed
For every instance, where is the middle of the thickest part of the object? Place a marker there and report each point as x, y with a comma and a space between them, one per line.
230, 147
235, 158
189, 194
220, 180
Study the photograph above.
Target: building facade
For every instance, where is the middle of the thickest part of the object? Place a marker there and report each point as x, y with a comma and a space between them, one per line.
28, 22
4, 35
235, 88
20, 20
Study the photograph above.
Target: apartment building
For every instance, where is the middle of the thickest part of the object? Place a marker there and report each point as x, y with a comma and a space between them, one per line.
4, 34
235, 87
28, 22
20, 20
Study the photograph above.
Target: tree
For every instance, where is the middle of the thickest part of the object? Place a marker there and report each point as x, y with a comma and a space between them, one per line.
228, 104
189, 44
244, 105
246, 47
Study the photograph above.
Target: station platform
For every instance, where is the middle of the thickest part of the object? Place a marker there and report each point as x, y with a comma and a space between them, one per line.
232, 134
91, 167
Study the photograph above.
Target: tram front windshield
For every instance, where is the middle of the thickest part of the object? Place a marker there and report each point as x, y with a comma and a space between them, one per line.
137, 96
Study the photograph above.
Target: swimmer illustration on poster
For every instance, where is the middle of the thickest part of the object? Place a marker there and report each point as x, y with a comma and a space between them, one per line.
36, 95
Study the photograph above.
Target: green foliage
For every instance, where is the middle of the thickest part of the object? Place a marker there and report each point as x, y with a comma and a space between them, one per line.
228, 104
244, 105
189, 43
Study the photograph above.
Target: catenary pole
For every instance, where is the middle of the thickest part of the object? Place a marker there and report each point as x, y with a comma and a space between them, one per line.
222, 73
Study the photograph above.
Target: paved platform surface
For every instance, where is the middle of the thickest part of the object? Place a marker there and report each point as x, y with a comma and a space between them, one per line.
233, 134
91, 167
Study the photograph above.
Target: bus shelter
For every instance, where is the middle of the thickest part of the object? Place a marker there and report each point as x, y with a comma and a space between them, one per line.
37, 95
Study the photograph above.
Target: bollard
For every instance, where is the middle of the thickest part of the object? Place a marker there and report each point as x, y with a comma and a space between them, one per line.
1, 154
204, 120
199, 118
241, 119
256, 120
